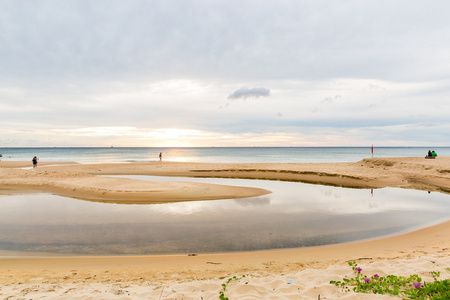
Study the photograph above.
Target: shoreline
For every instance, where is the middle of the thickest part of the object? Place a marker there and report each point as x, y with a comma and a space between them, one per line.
182, 272
77, 179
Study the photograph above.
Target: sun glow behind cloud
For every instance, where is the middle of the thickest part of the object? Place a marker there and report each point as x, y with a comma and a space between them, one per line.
175, 137
122, 136
161, 137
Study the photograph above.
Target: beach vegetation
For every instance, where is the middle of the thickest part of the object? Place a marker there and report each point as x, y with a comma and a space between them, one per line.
410, 287
225, 285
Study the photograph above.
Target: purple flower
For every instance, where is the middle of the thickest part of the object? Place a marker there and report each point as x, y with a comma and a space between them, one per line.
375, 276
358, 269
367, 280
417, 284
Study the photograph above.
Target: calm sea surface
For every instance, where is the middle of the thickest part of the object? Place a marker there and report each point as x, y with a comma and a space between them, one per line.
216, 155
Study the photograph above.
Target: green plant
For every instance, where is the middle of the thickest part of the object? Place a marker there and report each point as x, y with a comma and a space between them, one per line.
225, 285
410, 287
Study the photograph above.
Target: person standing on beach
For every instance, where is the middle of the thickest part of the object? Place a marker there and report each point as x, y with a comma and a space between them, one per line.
160, 156
34, 160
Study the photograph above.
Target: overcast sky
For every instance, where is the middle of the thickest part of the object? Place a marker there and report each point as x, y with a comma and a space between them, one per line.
224, 73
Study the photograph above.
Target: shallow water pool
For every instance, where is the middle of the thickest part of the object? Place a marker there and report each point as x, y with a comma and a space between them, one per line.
294, 215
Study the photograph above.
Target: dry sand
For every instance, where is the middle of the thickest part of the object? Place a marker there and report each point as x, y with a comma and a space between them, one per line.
201, 276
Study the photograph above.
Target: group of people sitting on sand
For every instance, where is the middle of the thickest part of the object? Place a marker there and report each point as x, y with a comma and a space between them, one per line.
431, 154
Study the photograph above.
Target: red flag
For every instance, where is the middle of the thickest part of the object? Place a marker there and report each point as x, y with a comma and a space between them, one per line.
371, 149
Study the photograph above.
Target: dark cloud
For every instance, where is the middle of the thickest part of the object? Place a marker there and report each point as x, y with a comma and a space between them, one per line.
244, 93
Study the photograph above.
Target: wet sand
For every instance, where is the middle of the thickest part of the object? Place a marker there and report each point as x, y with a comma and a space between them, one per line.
197, 276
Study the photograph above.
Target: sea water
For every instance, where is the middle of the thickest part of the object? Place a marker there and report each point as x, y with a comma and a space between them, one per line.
215, 154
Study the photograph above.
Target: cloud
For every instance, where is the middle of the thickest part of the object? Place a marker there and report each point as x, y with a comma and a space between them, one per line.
326, 100
376, 87
126, 70
245, 93
329, 100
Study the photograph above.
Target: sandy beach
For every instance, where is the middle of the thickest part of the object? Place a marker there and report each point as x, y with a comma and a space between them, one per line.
38, 276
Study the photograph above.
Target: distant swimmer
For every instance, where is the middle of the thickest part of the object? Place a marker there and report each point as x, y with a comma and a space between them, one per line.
160, 156
34, 160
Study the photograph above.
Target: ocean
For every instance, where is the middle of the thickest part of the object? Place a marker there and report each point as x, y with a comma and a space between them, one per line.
214, 154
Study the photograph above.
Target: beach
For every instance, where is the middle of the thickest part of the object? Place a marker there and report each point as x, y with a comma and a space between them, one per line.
36, 275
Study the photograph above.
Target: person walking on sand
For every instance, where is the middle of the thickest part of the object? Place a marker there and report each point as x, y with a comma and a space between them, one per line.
160, 156
34, 160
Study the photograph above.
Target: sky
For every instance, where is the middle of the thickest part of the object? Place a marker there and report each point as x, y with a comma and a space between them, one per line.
224, 73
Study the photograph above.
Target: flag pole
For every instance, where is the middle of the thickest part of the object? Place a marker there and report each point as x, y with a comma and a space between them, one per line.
371, 149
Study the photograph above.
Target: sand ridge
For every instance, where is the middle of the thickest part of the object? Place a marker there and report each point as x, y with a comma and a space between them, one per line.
73, 181
82, 180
